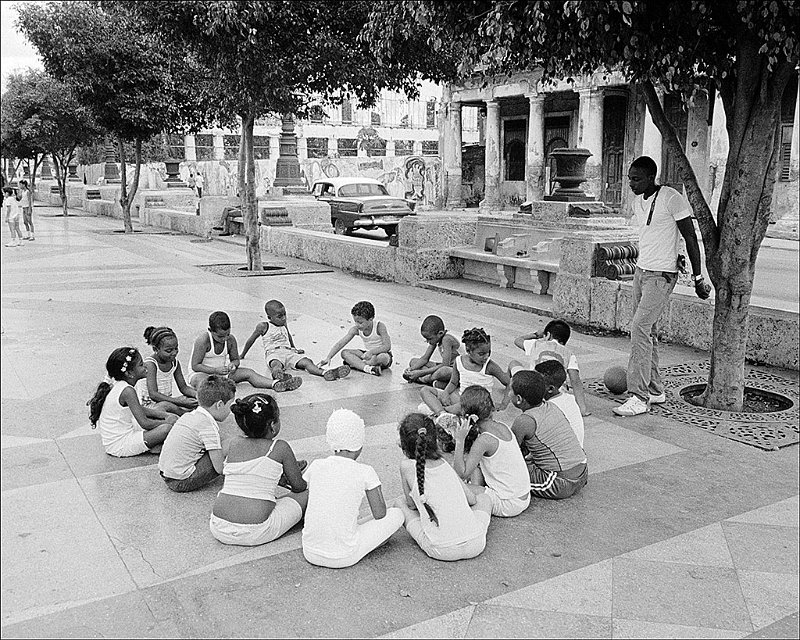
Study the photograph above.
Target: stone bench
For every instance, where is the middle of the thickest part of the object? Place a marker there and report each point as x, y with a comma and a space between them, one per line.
541, 269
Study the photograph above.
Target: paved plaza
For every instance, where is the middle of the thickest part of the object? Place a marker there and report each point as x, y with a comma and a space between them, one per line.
679, 532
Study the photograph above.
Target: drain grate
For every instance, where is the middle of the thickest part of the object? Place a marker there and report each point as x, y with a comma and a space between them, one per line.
768, 431
239, 270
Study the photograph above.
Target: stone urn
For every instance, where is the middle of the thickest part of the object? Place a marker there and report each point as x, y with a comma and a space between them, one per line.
173, 170
570, 174
72, 172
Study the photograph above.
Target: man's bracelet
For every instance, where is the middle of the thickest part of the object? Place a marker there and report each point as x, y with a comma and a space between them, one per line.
698, 277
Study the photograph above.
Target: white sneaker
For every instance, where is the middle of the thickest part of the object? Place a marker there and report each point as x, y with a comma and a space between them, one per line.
661, 398
13, 243
424, 409
634, 406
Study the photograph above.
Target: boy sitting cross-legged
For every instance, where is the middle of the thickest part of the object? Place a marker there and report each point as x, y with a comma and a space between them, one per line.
191, 456
556, 461
279, 350
377, 352
424, 371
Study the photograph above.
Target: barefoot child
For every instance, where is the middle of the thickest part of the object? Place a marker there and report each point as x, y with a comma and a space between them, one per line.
191, 456
494, 464
436, 503
332, 536
551, 344
554, 378
164, 371
215, 352
127, 428
247, 510
474, 368
279, 350
12, 214
377, 352
556, 462
424, 371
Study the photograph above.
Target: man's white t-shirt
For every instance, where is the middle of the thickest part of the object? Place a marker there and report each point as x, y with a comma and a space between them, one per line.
336, 487
659, 241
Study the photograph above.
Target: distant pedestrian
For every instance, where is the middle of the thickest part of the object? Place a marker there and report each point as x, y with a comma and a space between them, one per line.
24, 197
661, 213
199, 183
11, 209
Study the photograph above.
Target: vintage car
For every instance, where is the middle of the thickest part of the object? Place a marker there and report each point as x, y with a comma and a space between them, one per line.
361, 203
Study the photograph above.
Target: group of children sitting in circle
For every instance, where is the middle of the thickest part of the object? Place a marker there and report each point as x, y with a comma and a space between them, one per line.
462, 466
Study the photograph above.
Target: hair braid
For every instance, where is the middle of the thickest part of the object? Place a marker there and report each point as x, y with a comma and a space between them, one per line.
421, 457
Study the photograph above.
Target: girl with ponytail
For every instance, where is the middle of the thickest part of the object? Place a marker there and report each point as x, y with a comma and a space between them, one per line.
446, 519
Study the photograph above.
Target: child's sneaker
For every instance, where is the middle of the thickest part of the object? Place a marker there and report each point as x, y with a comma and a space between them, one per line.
14, 243
406, 377
336, 373
375, 370
287, 385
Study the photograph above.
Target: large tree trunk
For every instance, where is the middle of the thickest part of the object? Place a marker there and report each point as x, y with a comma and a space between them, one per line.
124, 201
752, 109
241, 166
249, 209
60, 165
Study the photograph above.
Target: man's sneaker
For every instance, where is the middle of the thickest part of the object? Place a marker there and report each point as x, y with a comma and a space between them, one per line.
287, 385
634, 406
13, 243
375, 370
336, 373
30, 237
661, 398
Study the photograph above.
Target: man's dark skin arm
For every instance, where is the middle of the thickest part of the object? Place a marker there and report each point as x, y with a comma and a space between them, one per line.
686, 227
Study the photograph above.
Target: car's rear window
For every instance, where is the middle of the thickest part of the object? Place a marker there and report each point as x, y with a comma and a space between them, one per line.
355, 190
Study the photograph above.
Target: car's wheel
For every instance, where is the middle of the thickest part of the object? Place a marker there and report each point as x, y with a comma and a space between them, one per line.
391, 230
340, 228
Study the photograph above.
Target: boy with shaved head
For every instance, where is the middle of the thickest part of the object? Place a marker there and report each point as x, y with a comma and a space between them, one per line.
279, 350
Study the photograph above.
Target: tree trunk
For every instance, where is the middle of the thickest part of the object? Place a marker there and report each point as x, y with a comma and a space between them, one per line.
137, 170
241, 166
124, 201
60, 165
249, 209
37, 160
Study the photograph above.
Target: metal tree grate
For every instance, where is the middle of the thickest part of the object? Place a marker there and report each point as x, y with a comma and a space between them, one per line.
239, 270
768, 431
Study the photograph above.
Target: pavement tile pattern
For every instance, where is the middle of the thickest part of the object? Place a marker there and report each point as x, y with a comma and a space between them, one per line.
678, 533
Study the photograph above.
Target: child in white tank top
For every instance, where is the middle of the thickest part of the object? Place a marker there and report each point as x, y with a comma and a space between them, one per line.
474, 368
377, 352
495, 464
164, 375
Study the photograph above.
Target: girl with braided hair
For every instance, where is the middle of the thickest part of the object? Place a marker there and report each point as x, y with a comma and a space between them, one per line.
164, 374
474, 368
445, 518
127, 428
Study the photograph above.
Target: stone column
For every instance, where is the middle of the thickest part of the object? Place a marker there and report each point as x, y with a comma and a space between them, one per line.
794, 153
287, 169
491, 199
190, 148
110, 168
219, 146
535, 161
451, 155
590, 136
390, 151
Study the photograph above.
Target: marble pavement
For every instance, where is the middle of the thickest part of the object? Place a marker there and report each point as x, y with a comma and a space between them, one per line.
679, 533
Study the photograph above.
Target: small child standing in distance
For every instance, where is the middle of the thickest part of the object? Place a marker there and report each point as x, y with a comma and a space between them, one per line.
12, 215
163, 369
555, 460
215, 353
551, 345
191, 456
127, 428
279, 350
554, 376
436, 503
337, 484
474, 368
247, 511
377, 352
494, 464
424, 371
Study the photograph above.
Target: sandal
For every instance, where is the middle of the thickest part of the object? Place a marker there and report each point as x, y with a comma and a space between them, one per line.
287, 385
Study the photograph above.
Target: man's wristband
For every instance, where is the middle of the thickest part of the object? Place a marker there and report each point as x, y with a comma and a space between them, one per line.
697, 278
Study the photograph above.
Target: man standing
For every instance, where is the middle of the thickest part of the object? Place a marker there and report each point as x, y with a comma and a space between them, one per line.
661, 213
26, 203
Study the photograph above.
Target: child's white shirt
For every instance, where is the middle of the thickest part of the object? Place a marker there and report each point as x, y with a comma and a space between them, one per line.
336, 488
572, 412
540, 350
12, 207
